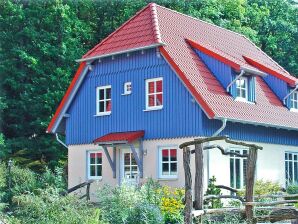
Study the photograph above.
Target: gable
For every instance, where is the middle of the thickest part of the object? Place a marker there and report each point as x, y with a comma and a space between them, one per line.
179, 117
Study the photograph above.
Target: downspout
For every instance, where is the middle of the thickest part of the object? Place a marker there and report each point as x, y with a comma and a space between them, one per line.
290, 93
223, 126
59, 140
238, 76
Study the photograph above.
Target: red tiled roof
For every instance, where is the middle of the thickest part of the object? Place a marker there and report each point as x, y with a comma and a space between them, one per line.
155, 25
120, 137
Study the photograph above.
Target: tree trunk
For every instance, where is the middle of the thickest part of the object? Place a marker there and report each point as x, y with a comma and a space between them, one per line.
250, 181
188, 186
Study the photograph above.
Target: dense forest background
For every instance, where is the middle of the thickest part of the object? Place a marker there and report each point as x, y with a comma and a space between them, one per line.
40, 39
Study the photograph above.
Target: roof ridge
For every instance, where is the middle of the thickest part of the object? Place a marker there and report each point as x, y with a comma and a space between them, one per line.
239, 34
155, 24
117, 30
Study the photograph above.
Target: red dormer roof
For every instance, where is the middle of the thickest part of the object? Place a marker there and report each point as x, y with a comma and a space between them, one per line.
120, 137
176, 34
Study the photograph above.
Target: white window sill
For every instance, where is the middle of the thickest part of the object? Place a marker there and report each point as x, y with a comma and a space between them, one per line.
95, 178
153, 108
168, 178
102, 114
125, 94
294, 110
240, 99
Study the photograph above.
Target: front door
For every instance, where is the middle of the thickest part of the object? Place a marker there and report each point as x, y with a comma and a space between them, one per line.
129, 170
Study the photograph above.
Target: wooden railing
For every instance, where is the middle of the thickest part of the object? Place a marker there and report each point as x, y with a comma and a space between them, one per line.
79, 186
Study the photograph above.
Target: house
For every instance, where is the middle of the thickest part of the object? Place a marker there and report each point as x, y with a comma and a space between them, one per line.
164, 78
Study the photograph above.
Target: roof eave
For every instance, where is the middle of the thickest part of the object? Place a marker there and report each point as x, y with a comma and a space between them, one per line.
257, 123
88, 59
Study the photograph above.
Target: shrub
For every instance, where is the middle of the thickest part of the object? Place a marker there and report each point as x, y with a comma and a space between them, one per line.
263, 187
171, 205
128, 204
292, 189
213, 190
49, 207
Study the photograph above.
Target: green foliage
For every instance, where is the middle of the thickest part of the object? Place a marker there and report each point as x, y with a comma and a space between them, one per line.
292, 189
264, 187
226, 219
49, 207
213, 190
127, 204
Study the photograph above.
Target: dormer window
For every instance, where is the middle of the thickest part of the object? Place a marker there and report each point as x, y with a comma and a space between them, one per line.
242, 88
294, 101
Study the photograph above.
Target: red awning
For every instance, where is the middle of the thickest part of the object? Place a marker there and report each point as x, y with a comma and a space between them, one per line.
119, 137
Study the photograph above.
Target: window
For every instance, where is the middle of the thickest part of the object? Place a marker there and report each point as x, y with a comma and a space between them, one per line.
242, 88
103, 100
294, 100
291, 167
94, 165
154, 94
168, 162
127, 88
238, 169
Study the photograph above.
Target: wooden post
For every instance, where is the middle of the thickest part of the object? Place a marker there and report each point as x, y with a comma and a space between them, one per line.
250, 181
199, 178
88, 192
188, 186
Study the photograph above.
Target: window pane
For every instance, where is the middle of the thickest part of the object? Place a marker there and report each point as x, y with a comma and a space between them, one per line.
92, 171
238, 92
165, 169
102, 106
151, 101
151, 87
286, 156
92, 158
159, 86
173, 154
108, 105
108, 93
99, 170
127, 168
287, 172
173, 168
295, 172
126, 158
134, 168
243, 93
159, 99
133, 161
291, 172
101, 94
165, 155
99, 158
290, 156
237, 163
232, 173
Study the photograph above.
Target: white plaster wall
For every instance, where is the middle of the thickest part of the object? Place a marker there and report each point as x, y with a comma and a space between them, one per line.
270, 164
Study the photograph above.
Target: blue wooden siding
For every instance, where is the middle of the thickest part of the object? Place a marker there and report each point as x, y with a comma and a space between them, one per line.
221, 71
278, 86
246, 132
179, 117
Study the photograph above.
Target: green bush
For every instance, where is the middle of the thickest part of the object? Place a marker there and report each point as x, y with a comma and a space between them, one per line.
127, 204
213, 190
263, 187
49, 207
292, 189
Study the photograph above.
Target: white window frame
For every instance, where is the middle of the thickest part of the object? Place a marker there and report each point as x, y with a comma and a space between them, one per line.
96, 164
241, 161
292, 161
242, 98
98, 113
294, 101
160, 162
148, 108
125, 88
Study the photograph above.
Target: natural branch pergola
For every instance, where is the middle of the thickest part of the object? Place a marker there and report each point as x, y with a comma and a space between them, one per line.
199, 175
276, 213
